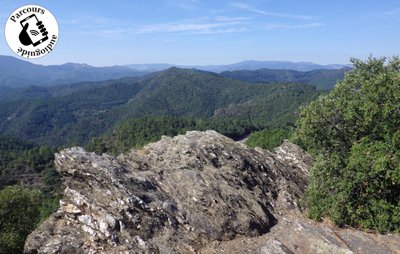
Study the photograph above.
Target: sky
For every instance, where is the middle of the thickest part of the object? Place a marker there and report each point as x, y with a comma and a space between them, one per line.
197, 32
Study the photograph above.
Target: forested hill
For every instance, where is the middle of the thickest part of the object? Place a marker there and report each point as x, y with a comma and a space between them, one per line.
322, 79
73, 114
18, 73
197, 93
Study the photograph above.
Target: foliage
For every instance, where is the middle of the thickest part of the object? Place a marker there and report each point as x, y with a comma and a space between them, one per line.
49, 204
322, 79
27, 164
22, 208
354, 133
74, 114
69, 115
19, 209
136, 132
267, 139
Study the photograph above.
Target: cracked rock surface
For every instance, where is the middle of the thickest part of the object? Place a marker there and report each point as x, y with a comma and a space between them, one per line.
195, 193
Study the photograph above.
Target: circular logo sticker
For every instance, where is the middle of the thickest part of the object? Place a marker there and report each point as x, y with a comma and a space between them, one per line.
31, 31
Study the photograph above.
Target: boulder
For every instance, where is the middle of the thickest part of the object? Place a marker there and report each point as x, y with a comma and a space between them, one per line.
196, 193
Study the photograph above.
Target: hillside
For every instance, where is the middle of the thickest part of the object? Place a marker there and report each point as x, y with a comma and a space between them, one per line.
322, 79
18, 73
68, 115
25, 163
202, 94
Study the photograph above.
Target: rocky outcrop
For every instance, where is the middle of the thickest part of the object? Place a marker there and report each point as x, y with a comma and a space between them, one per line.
294, 234
199, 192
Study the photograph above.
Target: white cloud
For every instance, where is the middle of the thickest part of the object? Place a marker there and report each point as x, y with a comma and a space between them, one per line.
272, 14
89, 21
228, 19
200, 26
290, 27
189, 27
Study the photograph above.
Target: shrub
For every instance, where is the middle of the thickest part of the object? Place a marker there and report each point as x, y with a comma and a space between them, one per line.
19, 214
267, 139
354, 133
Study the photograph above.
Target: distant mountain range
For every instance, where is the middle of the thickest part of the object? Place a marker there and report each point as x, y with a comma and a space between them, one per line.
18, 73
245, 65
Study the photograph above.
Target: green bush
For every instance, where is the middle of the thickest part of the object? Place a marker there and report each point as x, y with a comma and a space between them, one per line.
19, 214
267, 139
354, 134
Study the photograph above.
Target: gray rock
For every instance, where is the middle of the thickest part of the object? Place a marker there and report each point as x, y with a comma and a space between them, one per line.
294, 234
199, 192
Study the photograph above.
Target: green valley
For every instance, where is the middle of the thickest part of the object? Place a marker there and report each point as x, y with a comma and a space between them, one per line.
73, 114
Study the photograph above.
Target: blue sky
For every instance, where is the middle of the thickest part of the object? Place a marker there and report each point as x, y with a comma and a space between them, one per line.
193, 32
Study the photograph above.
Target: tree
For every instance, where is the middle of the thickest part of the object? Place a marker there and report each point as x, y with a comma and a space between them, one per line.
354, 133
267, 139
19, 214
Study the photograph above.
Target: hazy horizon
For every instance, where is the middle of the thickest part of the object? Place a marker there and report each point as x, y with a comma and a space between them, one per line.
34, 61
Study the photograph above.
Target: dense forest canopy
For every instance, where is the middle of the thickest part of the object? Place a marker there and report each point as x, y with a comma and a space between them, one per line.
72, 115
322, 79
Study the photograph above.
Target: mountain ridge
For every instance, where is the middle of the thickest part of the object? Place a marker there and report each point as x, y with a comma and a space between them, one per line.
15, 72
244, 65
